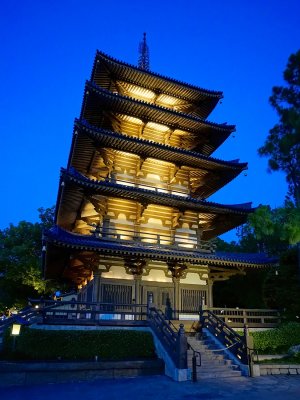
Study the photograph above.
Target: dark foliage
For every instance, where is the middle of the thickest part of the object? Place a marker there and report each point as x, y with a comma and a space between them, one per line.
38, 344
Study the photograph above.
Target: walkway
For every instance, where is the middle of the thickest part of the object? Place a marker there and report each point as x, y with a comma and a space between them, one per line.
162, 388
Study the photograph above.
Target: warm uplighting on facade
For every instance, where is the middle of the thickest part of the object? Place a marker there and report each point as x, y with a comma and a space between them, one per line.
133, 120
167, 101
157, 127
154, 177
141, 93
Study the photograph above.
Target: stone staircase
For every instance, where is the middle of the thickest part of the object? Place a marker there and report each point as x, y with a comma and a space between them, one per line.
214, 364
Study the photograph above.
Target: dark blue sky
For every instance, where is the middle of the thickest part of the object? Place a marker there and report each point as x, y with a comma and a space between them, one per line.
238, 46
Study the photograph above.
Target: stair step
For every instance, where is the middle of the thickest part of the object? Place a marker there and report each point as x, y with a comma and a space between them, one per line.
207, 356
216, 368
214, 364
213, 375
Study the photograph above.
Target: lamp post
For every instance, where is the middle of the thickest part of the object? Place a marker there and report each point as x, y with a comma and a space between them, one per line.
15, 331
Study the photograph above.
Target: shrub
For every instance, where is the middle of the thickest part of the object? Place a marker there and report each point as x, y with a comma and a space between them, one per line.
37, 344
278, 340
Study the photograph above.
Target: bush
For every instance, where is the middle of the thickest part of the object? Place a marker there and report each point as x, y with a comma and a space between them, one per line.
37, 344
278, 340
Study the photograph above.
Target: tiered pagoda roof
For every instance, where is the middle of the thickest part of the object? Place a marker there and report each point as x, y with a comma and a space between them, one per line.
202, 136
75, 186
88, 138
110, 74
60, 239
147, 121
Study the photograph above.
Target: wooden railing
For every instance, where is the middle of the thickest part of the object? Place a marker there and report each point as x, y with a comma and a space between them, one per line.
26, 316
231, 340
159, 240
233, 317
175, 343
162, 188
91, 313
258, 318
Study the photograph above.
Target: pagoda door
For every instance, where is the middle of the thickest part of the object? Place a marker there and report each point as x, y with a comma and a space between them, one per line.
163, 297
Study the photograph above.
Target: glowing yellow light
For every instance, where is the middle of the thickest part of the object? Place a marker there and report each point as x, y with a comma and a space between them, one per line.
16, 329
153, 176
166, 100
157, 127
146, 187
187, 246
136, 91
134, 120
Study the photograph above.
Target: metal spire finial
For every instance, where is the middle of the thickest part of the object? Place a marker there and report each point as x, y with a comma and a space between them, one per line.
144, 62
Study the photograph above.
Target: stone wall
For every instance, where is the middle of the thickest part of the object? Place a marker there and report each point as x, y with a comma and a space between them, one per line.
276, 369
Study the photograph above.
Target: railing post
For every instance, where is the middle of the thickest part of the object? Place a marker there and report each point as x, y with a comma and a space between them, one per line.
181, 348
43, 315
201, 312
149, 303
194, 368
249, 348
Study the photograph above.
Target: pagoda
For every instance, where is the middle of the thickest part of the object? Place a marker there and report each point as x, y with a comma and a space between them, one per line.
132, 215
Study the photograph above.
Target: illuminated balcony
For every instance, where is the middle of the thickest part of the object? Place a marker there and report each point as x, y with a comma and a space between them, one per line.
147, 238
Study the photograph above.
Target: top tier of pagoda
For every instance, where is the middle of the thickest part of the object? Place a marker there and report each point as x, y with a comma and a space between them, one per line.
153, 107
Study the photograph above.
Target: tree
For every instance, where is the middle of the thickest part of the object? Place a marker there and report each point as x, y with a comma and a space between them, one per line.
282, 145
282, 290
20, 261
272, 232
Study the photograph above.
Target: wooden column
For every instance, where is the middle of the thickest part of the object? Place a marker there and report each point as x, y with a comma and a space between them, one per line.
177, 270
96, 286
137, 281
177, 297
137, 228
105, 226
135, 266
210, 302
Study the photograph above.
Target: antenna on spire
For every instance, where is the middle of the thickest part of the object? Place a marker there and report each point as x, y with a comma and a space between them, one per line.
144, 62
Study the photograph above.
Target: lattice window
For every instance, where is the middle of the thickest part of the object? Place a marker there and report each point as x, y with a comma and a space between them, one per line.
116, 294
191, 299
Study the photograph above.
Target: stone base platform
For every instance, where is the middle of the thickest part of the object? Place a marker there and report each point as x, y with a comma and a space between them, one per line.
30, 373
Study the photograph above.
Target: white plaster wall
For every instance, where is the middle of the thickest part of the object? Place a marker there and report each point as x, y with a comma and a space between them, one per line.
193, 278
157, 275
117, 272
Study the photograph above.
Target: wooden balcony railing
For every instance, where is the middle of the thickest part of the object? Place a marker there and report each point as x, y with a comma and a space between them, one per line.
233, 317
238, 317
176, 241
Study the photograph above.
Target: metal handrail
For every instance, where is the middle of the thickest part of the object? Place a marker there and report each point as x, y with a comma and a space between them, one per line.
234, 342
174, 342
196, 354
